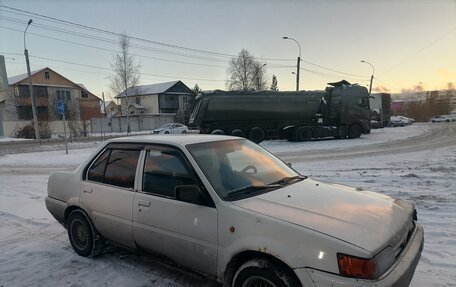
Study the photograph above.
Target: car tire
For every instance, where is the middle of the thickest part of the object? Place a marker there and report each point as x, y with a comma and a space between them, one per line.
354, 132
83, 236
184, 132
166, 132
261, 272
391, 125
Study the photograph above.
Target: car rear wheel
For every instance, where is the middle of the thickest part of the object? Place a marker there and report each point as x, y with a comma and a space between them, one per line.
261, 272
84, 239
184, 131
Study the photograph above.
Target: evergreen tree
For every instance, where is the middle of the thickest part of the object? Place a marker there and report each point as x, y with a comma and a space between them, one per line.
274, 86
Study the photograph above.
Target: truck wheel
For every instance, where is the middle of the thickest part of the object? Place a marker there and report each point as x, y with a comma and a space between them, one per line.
303, 134
217, 132
238, 133
261, 272
84, 239
354, 132
256, 135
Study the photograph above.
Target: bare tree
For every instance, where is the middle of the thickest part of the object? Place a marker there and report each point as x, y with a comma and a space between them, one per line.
245, 73
126, 73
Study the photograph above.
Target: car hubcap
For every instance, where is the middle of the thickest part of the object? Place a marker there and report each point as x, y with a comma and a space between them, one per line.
79, 233
258, 281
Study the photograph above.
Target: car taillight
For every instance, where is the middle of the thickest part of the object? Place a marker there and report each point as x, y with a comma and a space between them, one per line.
356, 267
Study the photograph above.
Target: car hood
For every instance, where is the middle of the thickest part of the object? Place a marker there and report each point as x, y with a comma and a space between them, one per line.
366, 219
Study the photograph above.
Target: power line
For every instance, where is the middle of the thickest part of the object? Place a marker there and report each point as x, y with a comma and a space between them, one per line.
420, 50
133, 46
142, 39
331, 75
73, 24
108, 69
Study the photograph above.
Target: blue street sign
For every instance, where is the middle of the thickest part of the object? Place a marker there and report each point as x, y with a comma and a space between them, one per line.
60, 107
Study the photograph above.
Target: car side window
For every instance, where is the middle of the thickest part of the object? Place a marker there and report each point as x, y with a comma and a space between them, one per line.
164, 170
96, 171
121, 168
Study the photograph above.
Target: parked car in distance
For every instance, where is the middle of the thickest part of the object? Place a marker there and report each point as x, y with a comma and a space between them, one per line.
225, 207
172, 128
400, 121
443, 118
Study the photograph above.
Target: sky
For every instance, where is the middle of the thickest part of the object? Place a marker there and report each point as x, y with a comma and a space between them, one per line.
410, 43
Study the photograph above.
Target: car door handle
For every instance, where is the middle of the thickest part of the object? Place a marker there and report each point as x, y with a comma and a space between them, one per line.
145, 203
88, 191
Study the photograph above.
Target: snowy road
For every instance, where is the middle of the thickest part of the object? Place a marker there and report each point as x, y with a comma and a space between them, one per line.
417, 163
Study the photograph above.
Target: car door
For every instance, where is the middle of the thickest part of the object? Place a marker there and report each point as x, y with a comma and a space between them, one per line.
181, 230
108, 192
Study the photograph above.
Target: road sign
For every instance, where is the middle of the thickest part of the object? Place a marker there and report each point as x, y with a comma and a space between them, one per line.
60, 107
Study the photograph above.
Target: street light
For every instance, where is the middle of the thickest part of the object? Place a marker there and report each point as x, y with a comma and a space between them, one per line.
32, 97
299, 61
258, 78
372, 77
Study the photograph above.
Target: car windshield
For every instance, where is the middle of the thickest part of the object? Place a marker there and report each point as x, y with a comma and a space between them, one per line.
239, 168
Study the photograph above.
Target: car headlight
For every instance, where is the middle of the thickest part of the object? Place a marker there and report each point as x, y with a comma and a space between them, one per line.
357, 267
365, 268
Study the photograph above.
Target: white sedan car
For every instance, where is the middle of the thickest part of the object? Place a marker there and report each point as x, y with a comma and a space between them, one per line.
443, 118
172, 128
225, 207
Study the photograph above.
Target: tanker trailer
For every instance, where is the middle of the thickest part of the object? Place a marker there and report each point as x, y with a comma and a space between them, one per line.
340, 111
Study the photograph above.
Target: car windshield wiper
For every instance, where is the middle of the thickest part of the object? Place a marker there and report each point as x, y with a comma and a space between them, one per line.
251, 188
288, 179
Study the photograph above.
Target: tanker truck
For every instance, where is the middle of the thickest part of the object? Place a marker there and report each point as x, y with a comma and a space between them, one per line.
340, 111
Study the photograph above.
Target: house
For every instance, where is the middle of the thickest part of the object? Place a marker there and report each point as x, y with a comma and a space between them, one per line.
112, 109
48, 88
162, 98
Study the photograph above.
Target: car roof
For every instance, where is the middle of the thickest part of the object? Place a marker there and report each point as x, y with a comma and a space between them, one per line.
176, 140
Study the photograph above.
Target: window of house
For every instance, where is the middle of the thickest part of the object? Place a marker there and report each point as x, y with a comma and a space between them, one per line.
46, 75
84, 94
63, 95
24, 112
138, 100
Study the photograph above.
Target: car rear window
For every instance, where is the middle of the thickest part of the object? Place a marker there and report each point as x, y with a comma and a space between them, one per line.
121, 168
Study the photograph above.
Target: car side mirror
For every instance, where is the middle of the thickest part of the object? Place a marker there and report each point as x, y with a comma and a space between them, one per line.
190, 193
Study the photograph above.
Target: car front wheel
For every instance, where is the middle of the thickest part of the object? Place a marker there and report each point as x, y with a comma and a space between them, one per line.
261, 272
84, 239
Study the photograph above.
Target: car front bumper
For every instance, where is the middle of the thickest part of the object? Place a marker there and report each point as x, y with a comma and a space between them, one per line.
399, 274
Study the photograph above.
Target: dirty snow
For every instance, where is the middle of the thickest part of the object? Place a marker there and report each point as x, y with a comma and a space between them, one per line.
35, 251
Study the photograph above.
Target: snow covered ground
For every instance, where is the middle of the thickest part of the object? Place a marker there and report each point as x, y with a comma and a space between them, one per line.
35, 251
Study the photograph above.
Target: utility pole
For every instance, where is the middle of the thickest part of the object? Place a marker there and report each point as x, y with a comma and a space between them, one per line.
32, 97
298, 66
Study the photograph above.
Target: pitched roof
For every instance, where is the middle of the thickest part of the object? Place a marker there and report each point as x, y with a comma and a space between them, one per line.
152, 89
16, 79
